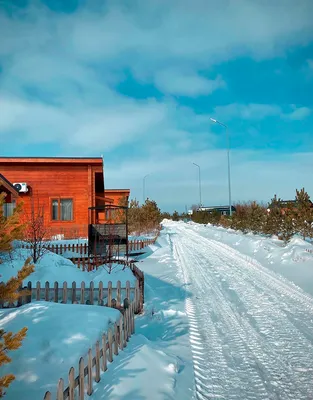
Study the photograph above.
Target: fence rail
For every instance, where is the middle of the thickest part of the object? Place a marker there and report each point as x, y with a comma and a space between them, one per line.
103, 296
81, 249
110, 344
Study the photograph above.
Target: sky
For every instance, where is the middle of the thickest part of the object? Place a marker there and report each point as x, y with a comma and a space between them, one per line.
138, 81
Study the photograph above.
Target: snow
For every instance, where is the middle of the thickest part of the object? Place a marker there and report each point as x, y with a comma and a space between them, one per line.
222, 319
58, 335
292, 261
157, 363
142, 371
251, 330
55, 268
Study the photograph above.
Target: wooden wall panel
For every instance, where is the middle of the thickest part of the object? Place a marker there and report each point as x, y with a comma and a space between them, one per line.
116, 196
52, 181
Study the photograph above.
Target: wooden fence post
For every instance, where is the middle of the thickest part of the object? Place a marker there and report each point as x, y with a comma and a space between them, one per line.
91, 292
128, 322
109, 294
133, 317
20, 299
110, 338
104, 353
137, 294
81, 379
118, 294
89, 389
125, 327
71, 381
100, 298
128, 290
29, 288
97, 362
56, 292
84, 264
73, 292
64, 292
47, 291
60, 391
82, 293
116, 339
38, 291
121, 333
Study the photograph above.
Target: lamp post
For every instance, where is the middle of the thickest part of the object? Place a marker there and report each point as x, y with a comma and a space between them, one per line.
200, 205
228, 161
144, 188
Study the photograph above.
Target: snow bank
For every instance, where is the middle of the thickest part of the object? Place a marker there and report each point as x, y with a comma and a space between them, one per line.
157, 363
144, 367
290, 260
53, 267
58, 335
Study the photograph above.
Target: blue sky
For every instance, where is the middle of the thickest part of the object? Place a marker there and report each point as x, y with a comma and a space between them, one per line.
138, 82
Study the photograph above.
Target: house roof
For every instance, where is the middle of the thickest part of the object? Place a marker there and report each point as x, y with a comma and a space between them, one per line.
51, 160
117, 190
8, 185
217, 208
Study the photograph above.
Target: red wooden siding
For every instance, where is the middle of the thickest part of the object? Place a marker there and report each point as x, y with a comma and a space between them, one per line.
56, 179
79, 179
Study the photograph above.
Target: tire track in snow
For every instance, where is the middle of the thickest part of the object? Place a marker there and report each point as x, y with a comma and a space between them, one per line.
205, 382
259, 325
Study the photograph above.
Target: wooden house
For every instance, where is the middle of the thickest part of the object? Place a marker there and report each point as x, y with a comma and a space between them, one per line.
66, 189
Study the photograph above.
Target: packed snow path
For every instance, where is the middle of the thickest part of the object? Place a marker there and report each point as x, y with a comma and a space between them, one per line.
251, 331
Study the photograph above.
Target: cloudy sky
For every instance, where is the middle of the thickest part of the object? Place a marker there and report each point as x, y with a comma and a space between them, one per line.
137, 82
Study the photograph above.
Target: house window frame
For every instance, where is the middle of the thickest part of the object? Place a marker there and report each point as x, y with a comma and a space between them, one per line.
59, 198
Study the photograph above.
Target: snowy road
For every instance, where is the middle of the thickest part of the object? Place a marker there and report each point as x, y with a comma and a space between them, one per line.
251, 331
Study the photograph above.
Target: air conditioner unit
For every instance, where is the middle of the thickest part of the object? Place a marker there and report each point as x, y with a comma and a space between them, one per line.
21, 187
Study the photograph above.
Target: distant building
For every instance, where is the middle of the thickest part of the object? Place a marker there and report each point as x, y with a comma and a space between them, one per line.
223, 210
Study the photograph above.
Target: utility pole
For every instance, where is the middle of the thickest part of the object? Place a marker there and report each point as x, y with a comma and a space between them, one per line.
200, 204
228, 161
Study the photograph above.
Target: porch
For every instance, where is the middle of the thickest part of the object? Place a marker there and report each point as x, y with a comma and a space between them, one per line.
108, 231
11, 196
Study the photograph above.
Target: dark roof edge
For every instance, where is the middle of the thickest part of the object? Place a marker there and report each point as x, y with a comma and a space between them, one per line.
9, 183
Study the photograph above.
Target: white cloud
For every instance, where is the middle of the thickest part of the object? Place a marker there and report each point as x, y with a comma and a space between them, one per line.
80, 128
177, 82
299, 113
246, 111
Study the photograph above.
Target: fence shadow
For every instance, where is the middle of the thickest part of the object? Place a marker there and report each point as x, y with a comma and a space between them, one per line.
161, 323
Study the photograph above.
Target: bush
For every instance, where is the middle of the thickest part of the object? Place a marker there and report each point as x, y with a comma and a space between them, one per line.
278, 218
143, 218
11, 229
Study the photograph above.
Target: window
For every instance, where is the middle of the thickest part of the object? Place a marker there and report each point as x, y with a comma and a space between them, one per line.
62, 209
8, 209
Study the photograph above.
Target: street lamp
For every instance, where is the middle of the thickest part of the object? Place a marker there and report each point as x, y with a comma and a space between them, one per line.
144, 188
199, 183
228, 161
